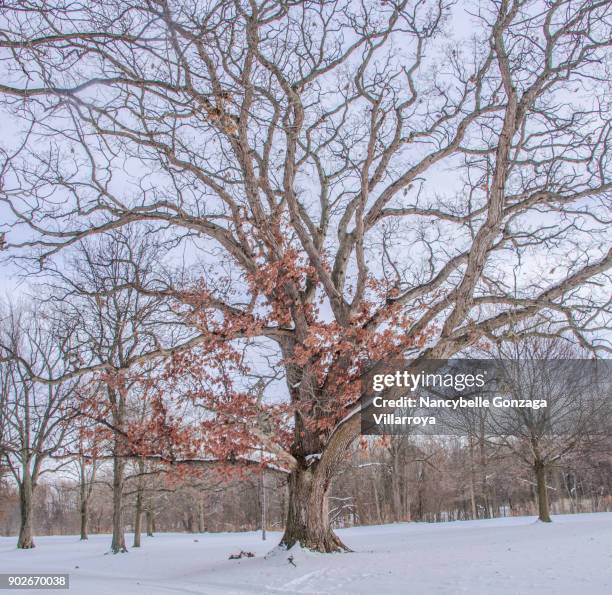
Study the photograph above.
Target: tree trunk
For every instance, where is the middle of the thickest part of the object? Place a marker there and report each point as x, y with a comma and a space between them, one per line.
138, 518
118, 542
308, 513
264, 519
379, 517
473, 482
396, 490
201, 524
188, 521
542, 491
307, 521
407, 502
26, 490
84, 512
139, 503
483, 472
150, 527
420, 489
83, 498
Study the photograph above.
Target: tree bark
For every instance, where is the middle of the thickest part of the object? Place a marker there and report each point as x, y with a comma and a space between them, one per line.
307, 521
308, 513
26, 491
118, 542
542, 491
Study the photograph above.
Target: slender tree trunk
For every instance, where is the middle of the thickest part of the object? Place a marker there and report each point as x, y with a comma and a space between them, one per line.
473, 482
117, 399
138, 518
191, 521
379, 518
139, 503
85, 487
84, 512
264, 520
149, 515
26, 492
483, 471
407, 501
201, 524
83, 498
420, 489
542, 491
396, 490
118, 542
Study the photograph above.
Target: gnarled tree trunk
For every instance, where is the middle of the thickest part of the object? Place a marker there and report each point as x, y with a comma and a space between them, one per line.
308, 514
307, 511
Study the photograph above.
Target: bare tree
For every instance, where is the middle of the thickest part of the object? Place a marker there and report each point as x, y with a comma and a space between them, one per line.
35, 418
88, 445
578, 397
113, 325
303, 147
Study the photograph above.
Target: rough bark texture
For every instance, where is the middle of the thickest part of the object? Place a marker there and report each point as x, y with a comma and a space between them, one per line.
26, 539
308, 514
540, 474
307, 511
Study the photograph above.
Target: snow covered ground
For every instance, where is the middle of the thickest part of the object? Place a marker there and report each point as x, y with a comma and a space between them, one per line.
492, 557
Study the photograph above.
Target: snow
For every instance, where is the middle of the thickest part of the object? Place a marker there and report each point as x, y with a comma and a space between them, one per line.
503, 556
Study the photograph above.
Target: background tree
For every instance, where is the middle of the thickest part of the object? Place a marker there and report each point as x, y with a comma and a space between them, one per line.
114, 326
35, 417
89, 446
577, 394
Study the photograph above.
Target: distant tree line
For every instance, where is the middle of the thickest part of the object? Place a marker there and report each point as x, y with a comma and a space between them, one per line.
405, 479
